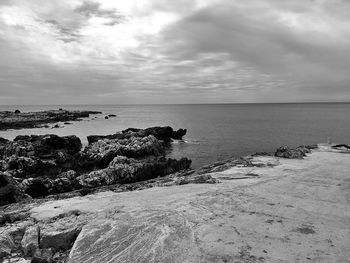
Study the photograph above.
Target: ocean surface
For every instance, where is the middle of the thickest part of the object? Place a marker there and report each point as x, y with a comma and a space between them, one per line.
215, 131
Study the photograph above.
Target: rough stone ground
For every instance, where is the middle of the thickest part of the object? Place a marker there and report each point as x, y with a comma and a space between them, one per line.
284, 211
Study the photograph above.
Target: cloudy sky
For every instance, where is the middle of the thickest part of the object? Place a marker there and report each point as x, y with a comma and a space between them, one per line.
174, 51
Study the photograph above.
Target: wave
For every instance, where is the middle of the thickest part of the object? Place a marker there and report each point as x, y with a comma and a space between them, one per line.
187, 141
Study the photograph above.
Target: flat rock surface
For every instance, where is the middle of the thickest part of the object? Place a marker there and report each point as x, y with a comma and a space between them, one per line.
284, 211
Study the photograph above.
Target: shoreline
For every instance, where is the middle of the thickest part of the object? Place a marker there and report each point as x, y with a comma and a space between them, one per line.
59, 198
214, 140
179, 173
180, 177
229, 218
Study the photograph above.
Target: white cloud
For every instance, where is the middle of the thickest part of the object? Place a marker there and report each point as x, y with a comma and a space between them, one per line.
99, 36
203, 50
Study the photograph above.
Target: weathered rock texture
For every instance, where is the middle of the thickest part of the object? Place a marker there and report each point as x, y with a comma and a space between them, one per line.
161, 133
6, 245
127, 170
158, 236
297, 153
30, 241
9, 190
280, 210
39, 166
20, 120
103, 151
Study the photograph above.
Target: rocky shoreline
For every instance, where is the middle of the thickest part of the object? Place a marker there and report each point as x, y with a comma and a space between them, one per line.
37, 170
38, 119
42, 165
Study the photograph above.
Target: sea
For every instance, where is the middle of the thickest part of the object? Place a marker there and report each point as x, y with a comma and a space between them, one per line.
214, 131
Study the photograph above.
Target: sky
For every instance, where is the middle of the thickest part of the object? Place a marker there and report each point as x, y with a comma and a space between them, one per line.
174, 51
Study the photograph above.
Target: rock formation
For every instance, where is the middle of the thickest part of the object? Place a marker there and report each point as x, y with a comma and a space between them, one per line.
341, 146
297, 153
127, 170
99, 153
10, 192
161, 133
22, 120
42, 165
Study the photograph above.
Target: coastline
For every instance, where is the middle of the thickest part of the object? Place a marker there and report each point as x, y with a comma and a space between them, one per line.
63, 202
232, 131
227, 220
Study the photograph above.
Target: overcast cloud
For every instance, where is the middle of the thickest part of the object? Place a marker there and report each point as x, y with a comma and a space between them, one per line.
166, 51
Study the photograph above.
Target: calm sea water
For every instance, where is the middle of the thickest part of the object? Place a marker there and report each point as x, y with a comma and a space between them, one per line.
215, 132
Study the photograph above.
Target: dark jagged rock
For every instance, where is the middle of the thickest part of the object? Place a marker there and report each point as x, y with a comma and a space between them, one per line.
22, 120
46, 144
345, 146
43, 165
94, 138
161, 133
312, 146
286, 152
128, 170
99, 154
10, 192
41, 187
177, 135
22, 167
303, 149
3, 140
34, 156
37, 163
197, 179
35, 187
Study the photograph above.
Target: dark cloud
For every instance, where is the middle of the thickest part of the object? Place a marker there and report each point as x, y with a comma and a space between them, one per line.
65, 34
88, 8
256, 37
93, 9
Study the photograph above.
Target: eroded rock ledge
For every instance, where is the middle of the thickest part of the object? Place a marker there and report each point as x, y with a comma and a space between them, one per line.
24, 120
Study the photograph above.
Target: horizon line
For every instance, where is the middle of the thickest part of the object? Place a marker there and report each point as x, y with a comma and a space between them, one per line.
224, 103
